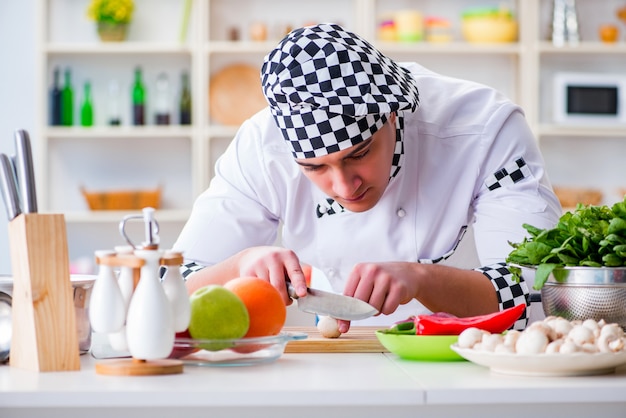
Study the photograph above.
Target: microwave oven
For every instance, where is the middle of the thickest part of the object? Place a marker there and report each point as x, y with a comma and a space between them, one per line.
589, 98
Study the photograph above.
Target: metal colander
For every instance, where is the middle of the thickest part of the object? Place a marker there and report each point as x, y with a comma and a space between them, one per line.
586, 292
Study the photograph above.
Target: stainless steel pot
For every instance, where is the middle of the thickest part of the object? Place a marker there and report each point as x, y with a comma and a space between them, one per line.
5, 326
81, 284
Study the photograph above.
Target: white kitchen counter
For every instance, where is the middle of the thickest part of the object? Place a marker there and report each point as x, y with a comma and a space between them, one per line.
311, 385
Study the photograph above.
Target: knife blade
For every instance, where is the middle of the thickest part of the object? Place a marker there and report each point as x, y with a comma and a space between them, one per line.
25, 171
9, 188
331, 304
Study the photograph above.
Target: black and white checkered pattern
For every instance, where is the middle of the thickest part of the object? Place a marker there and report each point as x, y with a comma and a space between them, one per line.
329, 89
510, 293
328, 207
508, 175
188, 268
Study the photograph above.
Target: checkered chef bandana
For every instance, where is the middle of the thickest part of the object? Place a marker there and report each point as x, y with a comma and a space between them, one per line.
328, 89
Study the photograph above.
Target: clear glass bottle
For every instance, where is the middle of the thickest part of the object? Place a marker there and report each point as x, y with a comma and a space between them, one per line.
185, 101
139, 99
67, 100
113, 104
86, 109
55, 99
162, 100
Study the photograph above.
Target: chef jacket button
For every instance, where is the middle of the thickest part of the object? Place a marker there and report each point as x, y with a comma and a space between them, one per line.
401, 213
330, 273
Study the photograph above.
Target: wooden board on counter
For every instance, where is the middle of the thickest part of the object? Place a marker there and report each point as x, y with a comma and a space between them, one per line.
357, 340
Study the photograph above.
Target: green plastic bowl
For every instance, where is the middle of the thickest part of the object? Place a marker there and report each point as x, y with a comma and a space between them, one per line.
420, 347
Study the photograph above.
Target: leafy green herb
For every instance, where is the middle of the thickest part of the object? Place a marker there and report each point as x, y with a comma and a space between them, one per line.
591, 236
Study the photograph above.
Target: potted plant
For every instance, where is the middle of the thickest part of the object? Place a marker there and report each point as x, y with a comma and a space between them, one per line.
112, 18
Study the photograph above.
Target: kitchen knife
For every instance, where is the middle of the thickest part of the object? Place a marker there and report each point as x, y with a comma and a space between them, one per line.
331, 304
9, 187
25, 171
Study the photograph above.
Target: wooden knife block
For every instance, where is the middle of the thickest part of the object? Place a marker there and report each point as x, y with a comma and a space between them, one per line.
44, 336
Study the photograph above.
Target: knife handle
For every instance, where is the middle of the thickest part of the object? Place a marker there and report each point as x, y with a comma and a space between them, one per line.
291, 291
9, 187
25, 171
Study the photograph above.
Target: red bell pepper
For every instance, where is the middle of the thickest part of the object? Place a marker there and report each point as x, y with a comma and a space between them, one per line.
495, 323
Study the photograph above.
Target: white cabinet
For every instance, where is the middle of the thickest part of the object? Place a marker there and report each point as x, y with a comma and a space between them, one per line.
582, 155
180, 159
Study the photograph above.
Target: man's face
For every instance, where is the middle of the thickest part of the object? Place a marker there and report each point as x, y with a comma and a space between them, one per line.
356, 177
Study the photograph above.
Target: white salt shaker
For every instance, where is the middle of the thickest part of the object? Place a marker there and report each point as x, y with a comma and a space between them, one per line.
176, 291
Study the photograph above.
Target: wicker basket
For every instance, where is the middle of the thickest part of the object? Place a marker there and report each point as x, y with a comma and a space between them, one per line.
570, 196
122, 199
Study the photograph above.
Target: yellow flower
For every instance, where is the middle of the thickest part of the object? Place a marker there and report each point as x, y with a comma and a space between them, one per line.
112, 11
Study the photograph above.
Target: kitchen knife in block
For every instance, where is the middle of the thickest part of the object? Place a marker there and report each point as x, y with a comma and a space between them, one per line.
44, 322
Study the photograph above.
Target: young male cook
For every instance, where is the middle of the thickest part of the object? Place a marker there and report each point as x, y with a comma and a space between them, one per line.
371, 183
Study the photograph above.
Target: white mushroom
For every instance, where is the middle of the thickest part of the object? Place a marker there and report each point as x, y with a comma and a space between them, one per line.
589, 348
490, 341
610, 340
555, 346
612, 329
511, 336
561, 327
617, 345
504, 348
470, 337
580, 335
545, 328
328, 327
532, 341
592, 324
568, 347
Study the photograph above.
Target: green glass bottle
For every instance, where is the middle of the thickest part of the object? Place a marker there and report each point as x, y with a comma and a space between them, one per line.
67, 100
185, 101
139, 99
86, 109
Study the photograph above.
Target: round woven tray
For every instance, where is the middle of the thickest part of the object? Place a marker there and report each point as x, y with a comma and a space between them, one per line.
235, 94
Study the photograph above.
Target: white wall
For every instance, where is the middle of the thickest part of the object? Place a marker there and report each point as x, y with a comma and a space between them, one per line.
17, 90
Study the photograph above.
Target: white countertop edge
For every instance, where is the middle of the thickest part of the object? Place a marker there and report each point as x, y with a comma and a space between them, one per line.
250, 399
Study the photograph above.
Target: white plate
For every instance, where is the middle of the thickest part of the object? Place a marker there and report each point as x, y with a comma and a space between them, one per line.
576, 364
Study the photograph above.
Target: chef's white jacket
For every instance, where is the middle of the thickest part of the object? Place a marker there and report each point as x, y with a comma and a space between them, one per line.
461, 166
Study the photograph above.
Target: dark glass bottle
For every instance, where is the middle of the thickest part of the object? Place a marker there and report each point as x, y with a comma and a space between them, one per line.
139, 99
67, 100
86, 109
185, 101
55, 99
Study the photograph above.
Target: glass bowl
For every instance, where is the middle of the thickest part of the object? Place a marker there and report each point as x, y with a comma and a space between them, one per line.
239, 352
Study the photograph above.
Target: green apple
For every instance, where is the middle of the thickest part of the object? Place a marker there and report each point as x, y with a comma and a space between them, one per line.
217, 314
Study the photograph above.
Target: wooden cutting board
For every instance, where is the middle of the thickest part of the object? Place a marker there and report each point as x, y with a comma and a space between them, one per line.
357, 340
